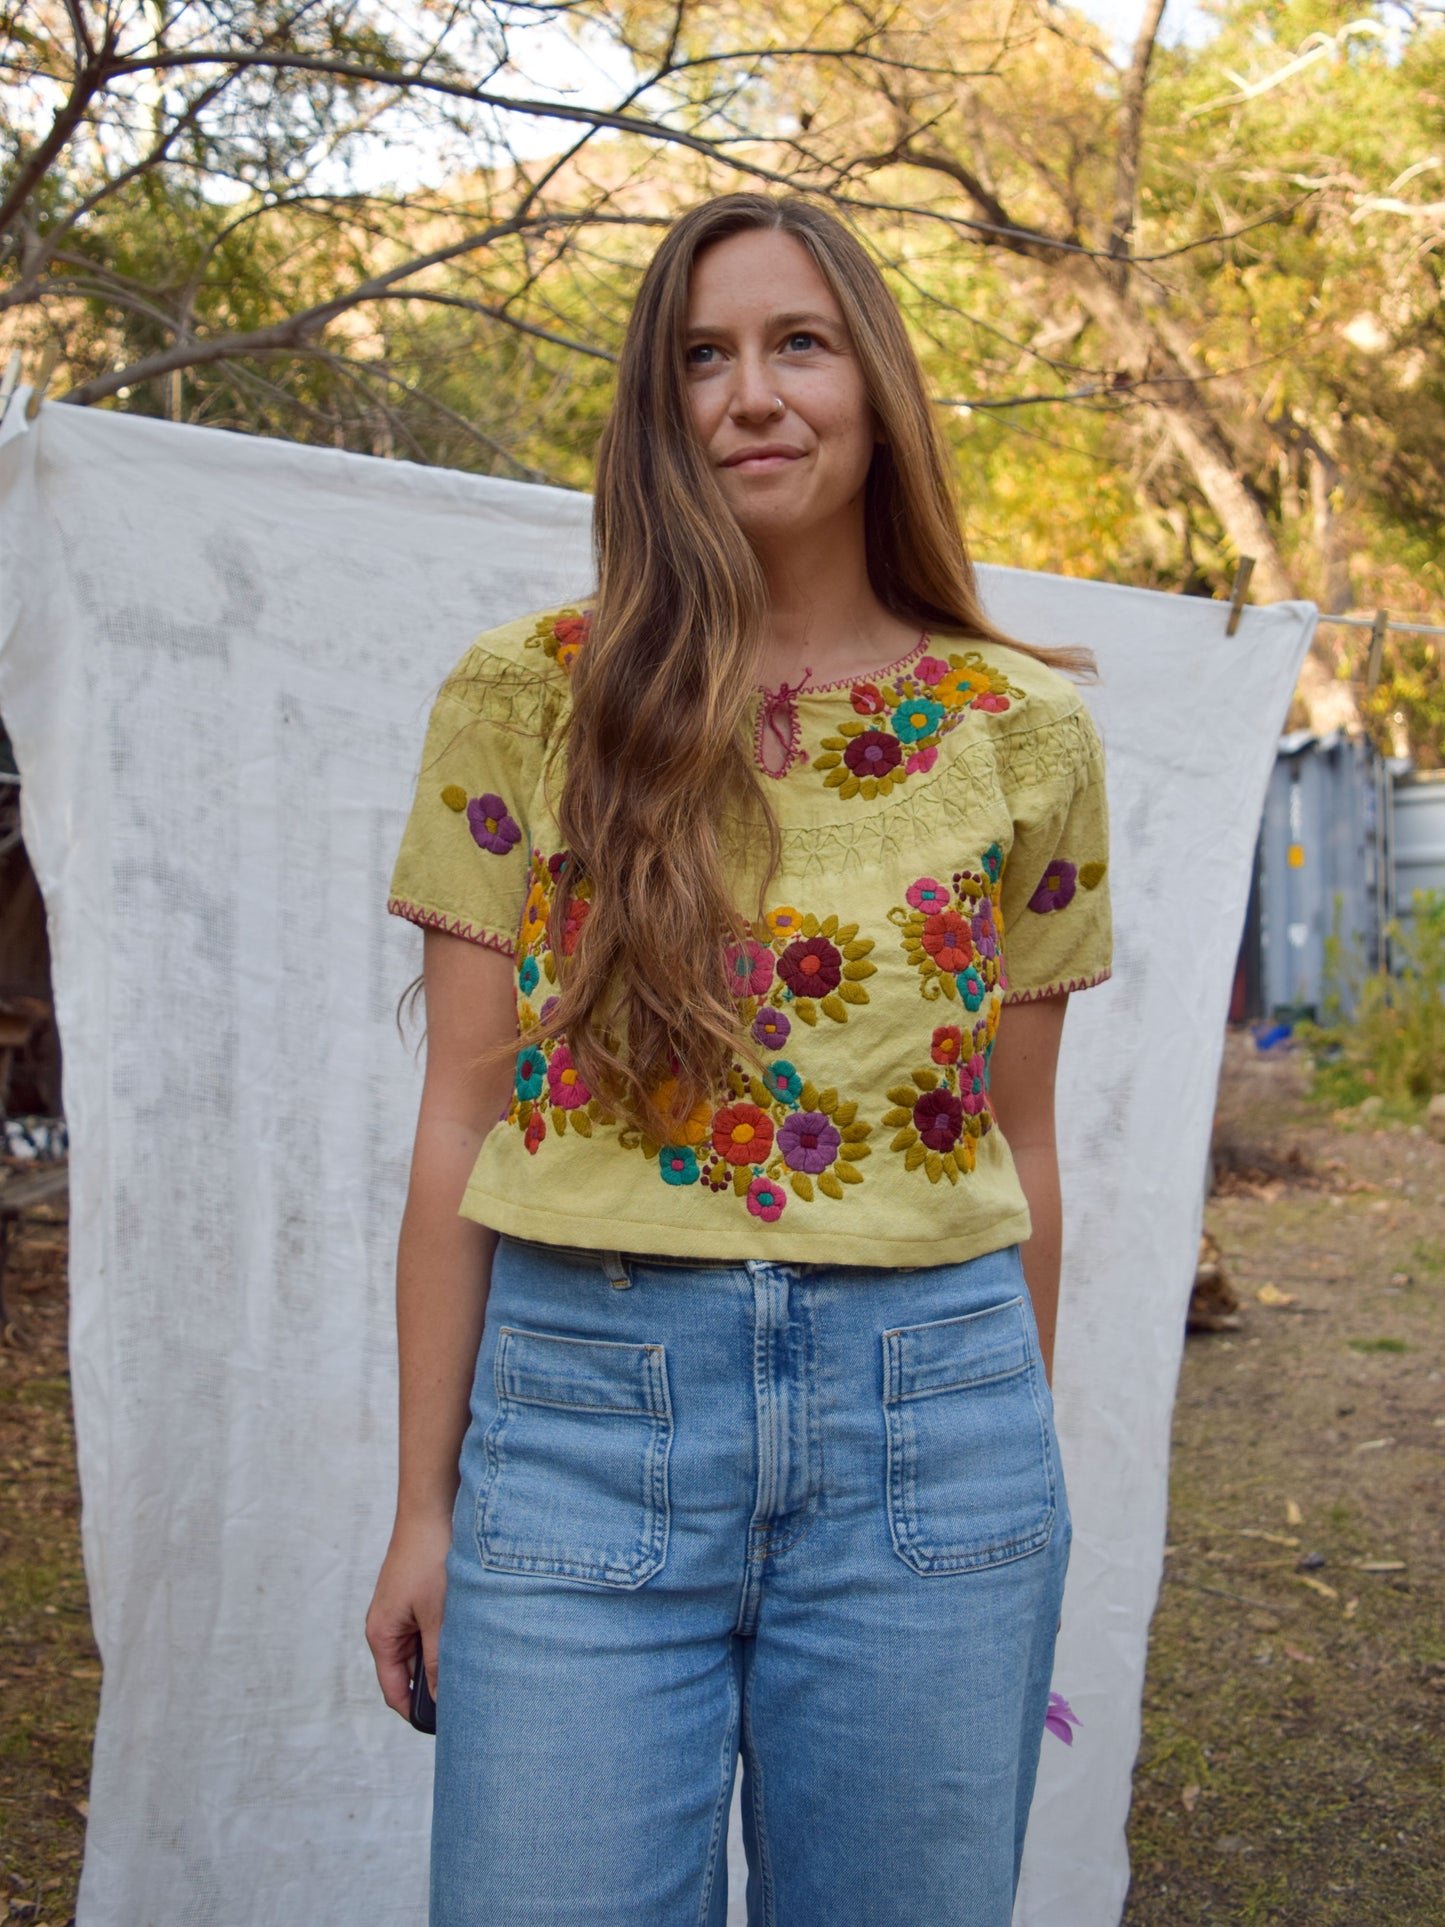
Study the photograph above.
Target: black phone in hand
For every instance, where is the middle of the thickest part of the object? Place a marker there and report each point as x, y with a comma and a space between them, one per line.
423, 1709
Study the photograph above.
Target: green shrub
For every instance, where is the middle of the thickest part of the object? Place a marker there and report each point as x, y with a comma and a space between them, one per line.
1392, 1045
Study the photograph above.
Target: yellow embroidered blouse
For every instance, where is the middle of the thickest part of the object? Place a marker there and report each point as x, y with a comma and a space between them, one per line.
944, 855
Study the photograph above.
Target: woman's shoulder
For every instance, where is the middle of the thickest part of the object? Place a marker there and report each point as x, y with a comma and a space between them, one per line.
1038, 696
520, 670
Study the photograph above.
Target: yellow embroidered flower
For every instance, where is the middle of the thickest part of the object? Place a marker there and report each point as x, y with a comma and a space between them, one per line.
534, 912
784, 921
695, 1128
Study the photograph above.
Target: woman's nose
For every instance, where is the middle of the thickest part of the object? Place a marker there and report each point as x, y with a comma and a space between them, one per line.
754, 396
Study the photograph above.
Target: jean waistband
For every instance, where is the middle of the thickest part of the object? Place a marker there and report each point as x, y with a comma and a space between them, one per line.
615, 1261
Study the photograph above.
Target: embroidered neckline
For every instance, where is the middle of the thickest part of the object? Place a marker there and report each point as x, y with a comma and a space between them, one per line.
782, 703
810, 688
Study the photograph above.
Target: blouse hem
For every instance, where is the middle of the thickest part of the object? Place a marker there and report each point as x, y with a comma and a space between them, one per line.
1062, 987
454, 926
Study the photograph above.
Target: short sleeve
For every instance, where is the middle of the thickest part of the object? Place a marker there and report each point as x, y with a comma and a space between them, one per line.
463, 865
1058, 929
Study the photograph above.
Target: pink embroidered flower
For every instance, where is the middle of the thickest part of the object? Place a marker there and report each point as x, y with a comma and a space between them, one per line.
926, 894
750, 967
867, 699
491, 826
536, 1130
873, 753
742, 1134
1061, 1719
564, 1081
947, 1044
811, 967
972, 1084
995, 705
808, 1141
938, 1119
766, 1199
921, 760
771, 1028
1056, 887
928, 669
946, 939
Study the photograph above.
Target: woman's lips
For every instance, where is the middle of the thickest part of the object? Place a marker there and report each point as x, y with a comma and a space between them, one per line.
762, 460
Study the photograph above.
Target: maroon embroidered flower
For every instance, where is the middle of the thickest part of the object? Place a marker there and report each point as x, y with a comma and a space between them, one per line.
867, 699
771, 1028
938, 1119
808, 1141
491, 826
742, 1134
766, 1199
947, 940
1056, 887
984, 930
564, 1081
536, 1130
811, 967
947, 1044
973, 1086
873, 753
555, 864
750, 967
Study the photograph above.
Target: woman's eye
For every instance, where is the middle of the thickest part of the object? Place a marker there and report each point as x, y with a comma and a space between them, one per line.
802, 340
698, 355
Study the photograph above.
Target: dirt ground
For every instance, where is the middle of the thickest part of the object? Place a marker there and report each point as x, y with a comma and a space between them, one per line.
1292, 1769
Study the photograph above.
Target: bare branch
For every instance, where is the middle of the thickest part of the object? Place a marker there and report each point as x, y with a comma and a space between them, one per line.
1131, 130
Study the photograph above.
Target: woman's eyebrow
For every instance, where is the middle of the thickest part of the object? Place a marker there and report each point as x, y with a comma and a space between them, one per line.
772, 323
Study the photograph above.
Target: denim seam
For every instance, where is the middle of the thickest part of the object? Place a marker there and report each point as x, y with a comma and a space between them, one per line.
720, 1810
754, 1779
809, 1378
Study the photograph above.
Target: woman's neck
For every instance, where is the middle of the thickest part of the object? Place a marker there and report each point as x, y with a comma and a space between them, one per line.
823, 616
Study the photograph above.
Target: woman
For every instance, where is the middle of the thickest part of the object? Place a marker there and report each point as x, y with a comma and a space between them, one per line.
754, 1282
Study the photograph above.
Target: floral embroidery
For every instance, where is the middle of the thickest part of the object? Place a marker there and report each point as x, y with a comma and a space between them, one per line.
562, 635
1056, 888
492, 826
921, 707
765, 1136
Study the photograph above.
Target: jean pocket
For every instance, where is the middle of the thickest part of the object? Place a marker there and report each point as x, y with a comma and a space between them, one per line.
971, 1478
576, 1473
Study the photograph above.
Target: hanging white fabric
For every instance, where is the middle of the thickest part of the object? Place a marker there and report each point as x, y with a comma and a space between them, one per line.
216, 657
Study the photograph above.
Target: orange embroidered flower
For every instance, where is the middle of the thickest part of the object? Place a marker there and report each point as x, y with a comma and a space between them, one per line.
947, 940
742, 1134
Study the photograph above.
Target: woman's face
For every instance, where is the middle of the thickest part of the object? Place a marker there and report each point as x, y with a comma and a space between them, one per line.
777, 394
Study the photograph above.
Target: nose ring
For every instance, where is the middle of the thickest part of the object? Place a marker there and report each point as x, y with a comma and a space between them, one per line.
779, 405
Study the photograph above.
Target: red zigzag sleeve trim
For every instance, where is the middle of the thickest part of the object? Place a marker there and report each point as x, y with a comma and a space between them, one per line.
454, 926
1060, 989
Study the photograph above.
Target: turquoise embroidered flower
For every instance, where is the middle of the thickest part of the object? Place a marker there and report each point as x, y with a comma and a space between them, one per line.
917, 718
531, 1071
678, 1164
528, 975
783, 1081
971, 988
993, 861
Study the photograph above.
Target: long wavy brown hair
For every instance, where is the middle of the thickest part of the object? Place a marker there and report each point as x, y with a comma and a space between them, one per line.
659, 788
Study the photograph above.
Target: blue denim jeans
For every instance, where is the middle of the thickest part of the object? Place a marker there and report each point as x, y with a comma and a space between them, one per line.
809, 1516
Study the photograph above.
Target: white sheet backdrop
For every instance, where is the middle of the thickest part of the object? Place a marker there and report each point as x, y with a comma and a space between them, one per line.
216, 656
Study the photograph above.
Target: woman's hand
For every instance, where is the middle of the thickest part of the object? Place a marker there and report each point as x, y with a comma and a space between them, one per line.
410, 1592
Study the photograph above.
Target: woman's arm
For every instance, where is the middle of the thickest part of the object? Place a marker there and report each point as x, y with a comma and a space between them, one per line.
443, 1269
1021, 1090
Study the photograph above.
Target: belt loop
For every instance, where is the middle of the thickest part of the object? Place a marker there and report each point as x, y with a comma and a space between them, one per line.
616, 1270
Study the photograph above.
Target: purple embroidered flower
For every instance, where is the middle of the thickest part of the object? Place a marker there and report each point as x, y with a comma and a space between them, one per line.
973, 1084
766, 1199
926, 895
873, 753
549, 1005
983, 929
750, 967
1056, 887
922, 760
808, 1141
928, 669
491, 826
1061, 1719
771, 1028
811, 967
938, 1119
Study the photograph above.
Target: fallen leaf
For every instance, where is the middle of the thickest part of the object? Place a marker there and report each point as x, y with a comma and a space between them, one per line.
1379, 1565
1274, 1538
1189, 1798
1352, 1606
1315, 1585
1373, 1445
1272, 1295
1293, 1652
1292, 1514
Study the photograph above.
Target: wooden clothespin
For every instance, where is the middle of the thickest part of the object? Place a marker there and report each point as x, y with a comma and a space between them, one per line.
49, 356
1375, 661
1237, 593
12, 376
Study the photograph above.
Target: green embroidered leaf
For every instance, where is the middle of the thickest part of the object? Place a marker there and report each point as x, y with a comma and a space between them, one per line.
833, 742
1091, 875
809, 926
853, 993
933, 1164
805, 1008
808, 1097
650, 1147
834, 1007
581, 1123
926, 1080
845, 1113
742, 1178
803, 1185
760, 1094
869, 787
847, 1174
737, 1083
524, 1112
903, 1094
454, 797
859, 972
549, 968
885, 783
855, 1133
855, 1153
828, 1184
828, 927
854, 952
761, 933
915, 1156
629, 1137
827, 1102
950, 1164
559, 1119
854, 726
905, 1139
838, 777
896, 1117
850, 788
